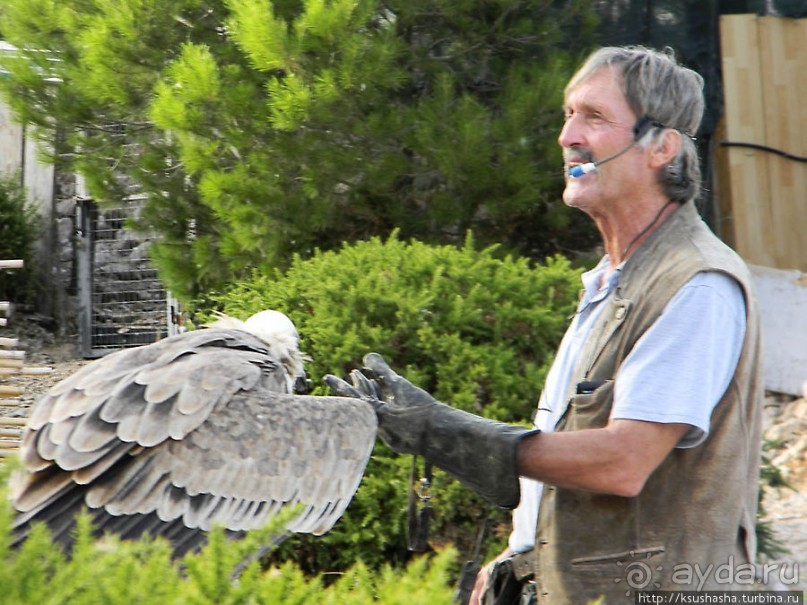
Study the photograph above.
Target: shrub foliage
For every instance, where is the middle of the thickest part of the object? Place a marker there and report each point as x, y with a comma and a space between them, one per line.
130, 573
475, 329
18, 230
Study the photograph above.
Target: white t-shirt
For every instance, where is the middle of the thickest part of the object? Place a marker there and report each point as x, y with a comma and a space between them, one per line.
676, 373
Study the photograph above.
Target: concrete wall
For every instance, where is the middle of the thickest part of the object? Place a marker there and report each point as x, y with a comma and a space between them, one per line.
20, 159
783, 306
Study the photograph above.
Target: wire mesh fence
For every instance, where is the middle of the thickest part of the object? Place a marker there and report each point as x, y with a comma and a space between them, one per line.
122, 301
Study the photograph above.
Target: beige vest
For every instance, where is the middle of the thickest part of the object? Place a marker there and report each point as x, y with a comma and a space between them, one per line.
699, 507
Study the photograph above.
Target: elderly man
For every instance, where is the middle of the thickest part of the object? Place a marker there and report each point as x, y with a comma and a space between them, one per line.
642, 470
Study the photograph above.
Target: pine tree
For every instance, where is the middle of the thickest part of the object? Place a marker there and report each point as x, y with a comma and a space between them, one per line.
262, 128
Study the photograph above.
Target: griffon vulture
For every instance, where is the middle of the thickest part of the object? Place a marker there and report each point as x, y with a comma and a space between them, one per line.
195, 430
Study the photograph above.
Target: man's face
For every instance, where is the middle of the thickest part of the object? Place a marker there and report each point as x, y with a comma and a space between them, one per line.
599, 123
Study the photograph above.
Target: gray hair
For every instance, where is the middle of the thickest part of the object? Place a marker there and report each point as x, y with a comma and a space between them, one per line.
658, 88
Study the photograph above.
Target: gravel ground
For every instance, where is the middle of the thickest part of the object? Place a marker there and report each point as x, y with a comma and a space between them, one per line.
43, 351
787, 508
786, 423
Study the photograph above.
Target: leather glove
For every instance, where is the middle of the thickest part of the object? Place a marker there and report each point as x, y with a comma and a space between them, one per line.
479, 452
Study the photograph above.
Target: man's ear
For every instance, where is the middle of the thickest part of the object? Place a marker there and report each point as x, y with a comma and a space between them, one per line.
666, 148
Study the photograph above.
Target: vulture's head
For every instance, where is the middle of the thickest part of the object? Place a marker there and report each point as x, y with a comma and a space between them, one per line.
279, 333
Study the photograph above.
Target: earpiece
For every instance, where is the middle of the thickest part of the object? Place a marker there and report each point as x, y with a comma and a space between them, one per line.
642, 126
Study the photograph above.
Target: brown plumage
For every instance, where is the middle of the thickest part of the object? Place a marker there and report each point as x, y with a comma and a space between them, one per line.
195, 430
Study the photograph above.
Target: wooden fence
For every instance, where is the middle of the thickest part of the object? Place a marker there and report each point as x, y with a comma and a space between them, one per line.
763, 194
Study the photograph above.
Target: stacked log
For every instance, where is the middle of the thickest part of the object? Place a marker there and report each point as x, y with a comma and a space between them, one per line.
12, 363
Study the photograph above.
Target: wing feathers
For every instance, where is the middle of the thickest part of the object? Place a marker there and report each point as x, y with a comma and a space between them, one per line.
173, 504
129, 484
155, 424
112, 454
90, 433
177, 436
38, 488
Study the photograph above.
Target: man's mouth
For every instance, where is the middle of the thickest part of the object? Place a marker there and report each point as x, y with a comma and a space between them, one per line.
577, 158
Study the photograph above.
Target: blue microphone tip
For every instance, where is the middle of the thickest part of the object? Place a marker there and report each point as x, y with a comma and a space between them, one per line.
577, 171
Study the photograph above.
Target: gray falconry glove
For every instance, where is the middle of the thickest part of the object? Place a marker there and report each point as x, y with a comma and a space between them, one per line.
481, 453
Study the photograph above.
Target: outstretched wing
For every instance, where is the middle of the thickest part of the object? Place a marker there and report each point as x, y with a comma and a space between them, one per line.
263, 451
186, 433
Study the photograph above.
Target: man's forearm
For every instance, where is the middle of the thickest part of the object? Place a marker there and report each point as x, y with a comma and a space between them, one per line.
616, 459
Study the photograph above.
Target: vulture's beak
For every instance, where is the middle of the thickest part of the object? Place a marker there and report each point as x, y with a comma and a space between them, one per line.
302, 385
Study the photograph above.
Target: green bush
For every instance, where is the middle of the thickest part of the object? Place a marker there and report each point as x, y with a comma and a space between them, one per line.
18, 230
471, 328
111, 572
476, 330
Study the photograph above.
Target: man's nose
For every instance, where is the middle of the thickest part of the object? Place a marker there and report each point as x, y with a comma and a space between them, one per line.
571, 134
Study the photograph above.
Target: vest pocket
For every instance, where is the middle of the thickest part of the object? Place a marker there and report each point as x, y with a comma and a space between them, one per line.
624, 557
590, 410
625, 571
615, 575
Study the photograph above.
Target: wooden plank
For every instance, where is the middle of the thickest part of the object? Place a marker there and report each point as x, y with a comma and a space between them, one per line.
12, 421
768, 120
783, 64
764, 62
11, 363
12, 264
36, 370
9, 444
9, 390
796, 47
721, 184
12, 354
9, 342
26, 370
742, 85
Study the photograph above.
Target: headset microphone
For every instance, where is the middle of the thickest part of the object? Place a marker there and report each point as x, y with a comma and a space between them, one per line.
577, 171
639, 130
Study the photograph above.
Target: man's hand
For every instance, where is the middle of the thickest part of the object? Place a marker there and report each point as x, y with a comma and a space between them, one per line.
483, 576
402, 408
479, 452
479, 585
